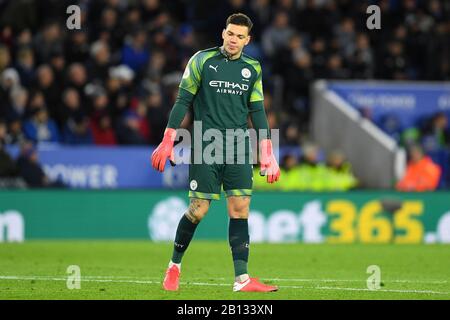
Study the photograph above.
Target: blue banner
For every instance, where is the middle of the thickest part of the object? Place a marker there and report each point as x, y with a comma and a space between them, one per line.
95, 167
409, 102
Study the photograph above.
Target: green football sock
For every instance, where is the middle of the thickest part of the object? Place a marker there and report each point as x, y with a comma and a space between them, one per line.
185, 232
239, 242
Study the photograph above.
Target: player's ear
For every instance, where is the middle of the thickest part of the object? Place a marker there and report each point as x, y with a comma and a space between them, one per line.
223, 34
248, 39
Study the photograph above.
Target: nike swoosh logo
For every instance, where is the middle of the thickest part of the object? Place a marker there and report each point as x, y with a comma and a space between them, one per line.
239, 285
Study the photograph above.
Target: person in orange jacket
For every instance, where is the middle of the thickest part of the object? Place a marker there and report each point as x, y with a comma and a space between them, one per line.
422, 174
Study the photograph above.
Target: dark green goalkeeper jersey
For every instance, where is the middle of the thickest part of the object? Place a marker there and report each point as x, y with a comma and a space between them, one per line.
222, 91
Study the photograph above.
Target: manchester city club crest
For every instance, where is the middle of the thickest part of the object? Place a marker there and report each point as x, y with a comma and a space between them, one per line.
246, 73
193, 185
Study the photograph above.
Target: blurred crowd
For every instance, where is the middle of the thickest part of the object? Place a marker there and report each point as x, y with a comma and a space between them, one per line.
431, 132
427, 143
114, 81
311, 171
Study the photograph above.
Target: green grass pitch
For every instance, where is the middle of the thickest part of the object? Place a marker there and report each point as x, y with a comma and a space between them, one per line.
134, 270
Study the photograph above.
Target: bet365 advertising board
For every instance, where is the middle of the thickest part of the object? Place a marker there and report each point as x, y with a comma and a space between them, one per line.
348, 217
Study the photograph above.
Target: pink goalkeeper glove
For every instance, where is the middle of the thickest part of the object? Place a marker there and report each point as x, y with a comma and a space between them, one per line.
269, 165
164, 150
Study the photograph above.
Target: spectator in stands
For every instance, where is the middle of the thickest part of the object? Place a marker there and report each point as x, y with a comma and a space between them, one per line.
15, 133
335, 69
436, 133
77, 78
6, 34
135, 53
162, 41
340, 175
363, 58
4, 98
132, 19
25, 40
291, 172
77, 47
155, 111
294, 50
346, 37
30, 169
291, 134
119, 88
58, 65
133, 127
98, 66
157, 66
4, 136
5, 58
8, 168
25, 66
18, 103
410, 136
102, 130
47, 41
262, 15
76, 129
395, 64
101, 122
40, 128
9, 172
47, 85
298, 78
422, 174
10, 80
319, 57
150, 9
187, 41
288, 6
277, 35
109, 29
312, 172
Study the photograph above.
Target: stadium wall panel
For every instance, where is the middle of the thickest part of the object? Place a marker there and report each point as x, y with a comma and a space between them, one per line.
376, 159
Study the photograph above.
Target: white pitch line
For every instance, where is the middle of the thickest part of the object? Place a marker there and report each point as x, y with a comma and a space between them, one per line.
83, 279
431, 281
311, 280
358, 280
384, 290
49, 278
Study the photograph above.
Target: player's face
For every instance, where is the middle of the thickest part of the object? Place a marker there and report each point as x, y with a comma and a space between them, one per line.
235, 38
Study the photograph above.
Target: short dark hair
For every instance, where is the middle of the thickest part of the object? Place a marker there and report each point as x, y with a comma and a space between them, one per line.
240, 19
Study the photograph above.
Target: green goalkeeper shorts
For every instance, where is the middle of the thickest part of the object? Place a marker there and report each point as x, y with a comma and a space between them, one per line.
233, 171
205, 181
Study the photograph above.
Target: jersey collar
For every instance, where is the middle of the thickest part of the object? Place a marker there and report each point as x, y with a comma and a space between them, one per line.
225, 54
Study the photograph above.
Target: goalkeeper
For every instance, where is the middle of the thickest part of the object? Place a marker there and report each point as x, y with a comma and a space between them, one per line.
224, 86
